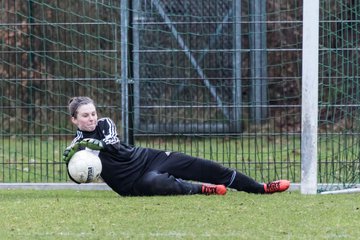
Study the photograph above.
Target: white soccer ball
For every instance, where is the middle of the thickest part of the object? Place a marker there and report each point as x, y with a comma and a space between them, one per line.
85, 166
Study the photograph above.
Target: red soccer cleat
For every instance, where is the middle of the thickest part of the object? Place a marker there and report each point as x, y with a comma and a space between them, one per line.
213, 189
276, 186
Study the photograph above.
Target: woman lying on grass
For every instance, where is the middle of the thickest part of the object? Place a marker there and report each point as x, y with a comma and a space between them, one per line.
138, 171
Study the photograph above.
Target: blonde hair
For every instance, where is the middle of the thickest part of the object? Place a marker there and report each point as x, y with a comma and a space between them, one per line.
76, 102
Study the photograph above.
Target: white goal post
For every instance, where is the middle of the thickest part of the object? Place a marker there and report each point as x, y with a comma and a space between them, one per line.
309, 105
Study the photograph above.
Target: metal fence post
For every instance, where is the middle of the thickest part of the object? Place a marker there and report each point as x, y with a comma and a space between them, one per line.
258, 61
126, 87
237, 94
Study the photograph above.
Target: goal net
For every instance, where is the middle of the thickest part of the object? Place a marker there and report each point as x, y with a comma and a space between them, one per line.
339, 96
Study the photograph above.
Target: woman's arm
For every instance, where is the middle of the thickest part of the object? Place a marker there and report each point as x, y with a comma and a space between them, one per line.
108, 128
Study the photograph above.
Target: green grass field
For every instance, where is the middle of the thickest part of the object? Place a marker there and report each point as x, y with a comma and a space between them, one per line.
70, 214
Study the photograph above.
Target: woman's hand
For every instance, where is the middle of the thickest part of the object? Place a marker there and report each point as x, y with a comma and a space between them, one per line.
69, 152
92, 143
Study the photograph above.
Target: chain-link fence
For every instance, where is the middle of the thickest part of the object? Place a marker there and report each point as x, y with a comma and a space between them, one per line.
215, 79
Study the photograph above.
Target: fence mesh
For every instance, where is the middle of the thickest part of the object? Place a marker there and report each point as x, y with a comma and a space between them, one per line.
214, 79
222, 80
51, 51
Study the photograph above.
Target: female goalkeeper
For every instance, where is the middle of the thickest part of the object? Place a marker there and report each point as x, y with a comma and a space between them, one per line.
138, 171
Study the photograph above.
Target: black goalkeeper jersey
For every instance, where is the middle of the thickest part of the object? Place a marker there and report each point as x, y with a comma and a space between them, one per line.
122, 164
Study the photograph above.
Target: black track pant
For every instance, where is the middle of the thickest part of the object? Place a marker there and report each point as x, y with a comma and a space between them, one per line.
168, 174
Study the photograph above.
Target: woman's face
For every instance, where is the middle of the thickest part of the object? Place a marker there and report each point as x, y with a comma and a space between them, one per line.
86, 118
